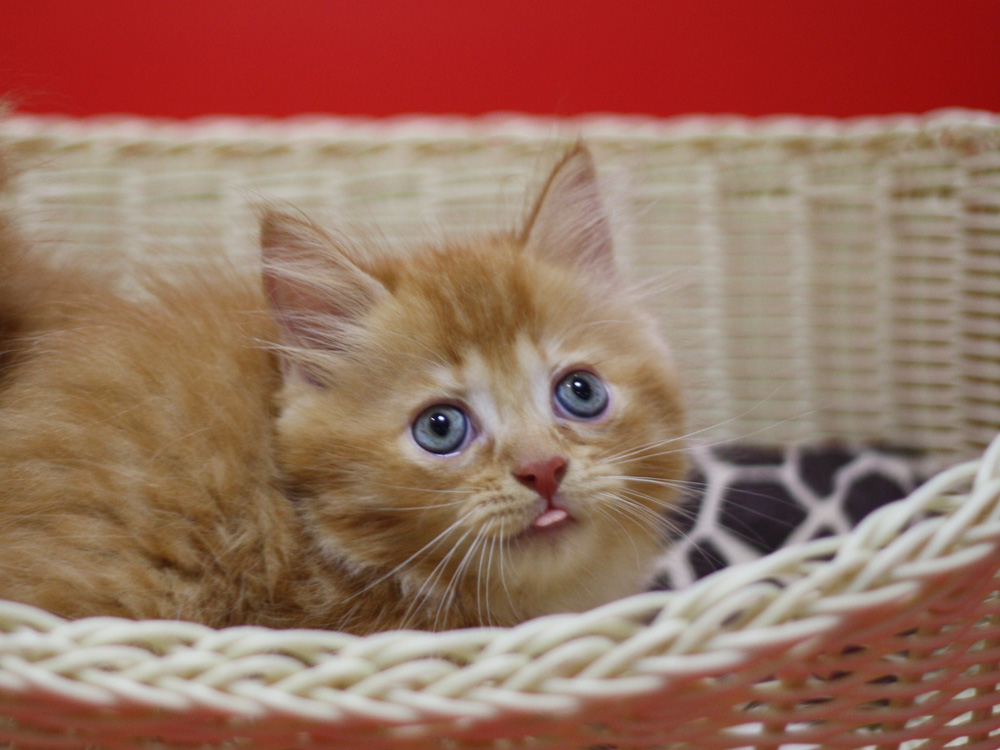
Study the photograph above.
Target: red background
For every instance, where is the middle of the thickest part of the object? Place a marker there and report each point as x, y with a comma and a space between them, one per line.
182, 58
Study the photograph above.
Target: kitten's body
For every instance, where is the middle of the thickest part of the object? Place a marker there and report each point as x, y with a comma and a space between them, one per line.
235, 452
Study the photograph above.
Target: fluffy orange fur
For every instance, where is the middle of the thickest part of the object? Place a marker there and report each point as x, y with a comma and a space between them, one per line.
239, 447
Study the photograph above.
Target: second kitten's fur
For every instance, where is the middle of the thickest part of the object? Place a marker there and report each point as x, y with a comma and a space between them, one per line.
472, 433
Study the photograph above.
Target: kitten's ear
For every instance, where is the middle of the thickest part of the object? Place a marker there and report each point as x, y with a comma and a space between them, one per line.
568, 224
317, 293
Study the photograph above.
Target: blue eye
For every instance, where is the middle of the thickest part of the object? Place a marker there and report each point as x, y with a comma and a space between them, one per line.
582, 394
441, 429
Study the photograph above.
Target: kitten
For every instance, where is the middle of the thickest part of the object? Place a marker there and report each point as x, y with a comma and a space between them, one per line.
471, 433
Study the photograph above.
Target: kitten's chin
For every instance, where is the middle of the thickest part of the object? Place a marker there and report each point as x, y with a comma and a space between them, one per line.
547, 584
573, 564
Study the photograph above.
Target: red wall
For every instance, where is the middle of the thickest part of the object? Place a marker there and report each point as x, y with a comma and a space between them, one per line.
182, 58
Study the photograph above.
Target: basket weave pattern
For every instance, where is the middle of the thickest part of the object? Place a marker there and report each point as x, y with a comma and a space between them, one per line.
821, 278
878, 246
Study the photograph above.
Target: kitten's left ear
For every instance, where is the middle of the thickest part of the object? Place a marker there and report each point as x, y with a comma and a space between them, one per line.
569, 224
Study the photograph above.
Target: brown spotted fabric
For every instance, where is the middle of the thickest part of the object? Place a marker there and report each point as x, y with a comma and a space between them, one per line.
745, 501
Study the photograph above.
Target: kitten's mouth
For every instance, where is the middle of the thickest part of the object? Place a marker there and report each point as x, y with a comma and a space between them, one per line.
549, 518
550, 523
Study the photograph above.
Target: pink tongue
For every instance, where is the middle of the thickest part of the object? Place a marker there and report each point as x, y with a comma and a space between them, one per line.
550, 518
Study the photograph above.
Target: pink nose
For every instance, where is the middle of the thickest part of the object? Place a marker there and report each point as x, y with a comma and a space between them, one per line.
543, 477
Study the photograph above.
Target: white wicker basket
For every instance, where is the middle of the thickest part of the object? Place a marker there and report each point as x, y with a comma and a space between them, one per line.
835, 278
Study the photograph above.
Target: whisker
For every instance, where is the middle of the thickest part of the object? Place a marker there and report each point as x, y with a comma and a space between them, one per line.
447, 597
748, 533
468, 491
672, 483
424, 549
420, 507
503, 580
638, 512
450, 586
606, 512
664, 516
489, 577
431, 580
481, 582
680, 484
461, 572
628, 453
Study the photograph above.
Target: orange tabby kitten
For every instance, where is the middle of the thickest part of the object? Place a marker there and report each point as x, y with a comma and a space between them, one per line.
468, 434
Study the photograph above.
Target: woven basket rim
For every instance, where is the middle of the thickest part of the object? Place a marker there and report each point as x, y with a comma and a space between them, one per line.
115, 130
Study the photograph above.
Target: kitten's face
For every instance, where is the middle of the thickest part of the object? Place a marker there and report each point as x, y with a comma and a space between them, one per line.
496, 423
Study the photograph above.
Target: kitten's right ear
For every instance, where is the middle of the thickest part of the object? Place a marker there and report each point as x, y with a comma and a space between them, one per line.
569, 224
317, 293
